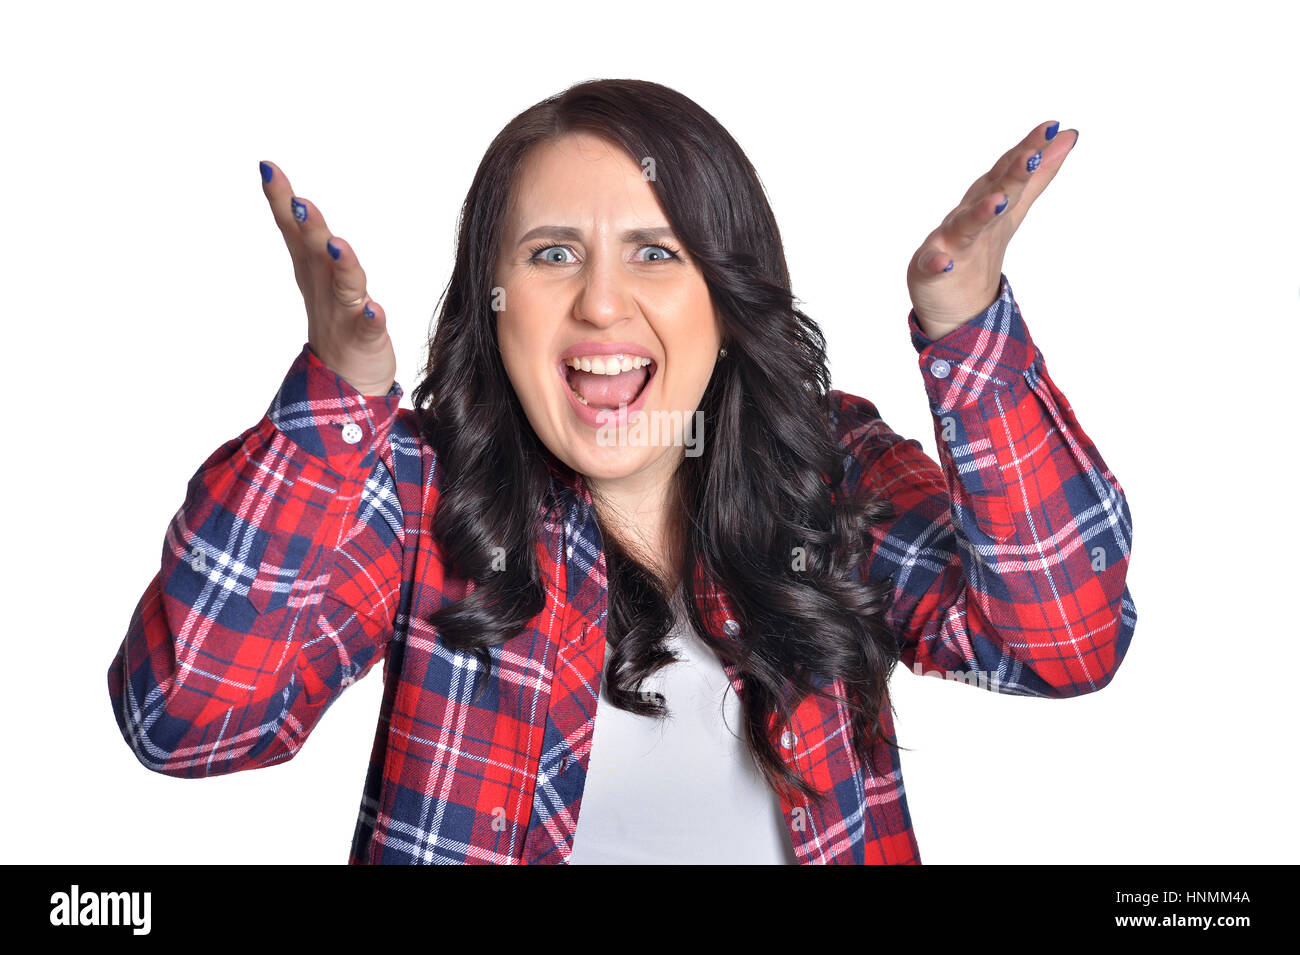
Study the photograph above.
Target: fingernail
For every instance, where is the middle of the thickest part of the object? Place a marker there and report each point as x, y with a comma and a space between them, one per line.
266, 171
369, 312
1002, 205
950, 265
1034, 160
1052, 130
334, 249
299, 210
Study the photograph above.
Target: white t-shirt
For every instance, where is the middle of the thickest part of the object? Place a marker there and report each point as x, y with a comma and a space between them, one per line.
680, 790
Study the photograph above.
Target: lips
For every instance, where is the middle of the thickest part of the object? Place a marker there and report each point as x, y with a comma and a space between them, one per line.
609, 385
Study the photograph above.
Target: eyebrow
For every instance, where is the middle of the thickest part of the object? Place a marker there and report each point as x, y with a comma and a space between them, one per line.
570, 233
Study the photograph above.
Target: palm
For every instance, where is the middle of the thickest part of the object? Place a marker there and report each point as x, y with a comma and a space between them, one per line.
974, 236
345, 328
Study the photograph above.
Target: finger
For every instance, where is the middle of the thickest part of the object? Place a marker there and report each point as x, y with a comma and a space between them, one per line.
1027, 169
377, 319
311, 225
1015, 158
933, 259
1053, 157
964, 225
349, 278
278, 192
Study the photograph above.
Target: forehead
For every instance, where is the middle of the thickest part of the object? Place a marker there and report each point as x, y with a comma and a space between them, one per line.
582, 180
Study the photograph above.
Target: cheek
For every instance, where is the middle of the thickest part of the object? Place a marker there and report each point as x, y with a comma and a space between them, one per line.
525, 329
518, 349
521, 351
691, 370
527, 382
699, 380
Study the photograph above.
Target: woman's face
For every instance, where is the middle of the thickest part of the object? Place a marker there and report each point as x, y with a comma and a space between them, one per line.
589, 269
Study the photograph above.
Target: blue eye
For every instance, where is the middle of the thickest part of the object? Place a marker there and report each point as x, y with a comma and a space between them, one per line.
533, 253
672, 253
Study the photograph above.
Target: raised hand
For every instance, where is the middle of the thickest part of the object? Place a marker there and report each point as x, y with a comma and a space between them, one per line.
345, 328
955, 274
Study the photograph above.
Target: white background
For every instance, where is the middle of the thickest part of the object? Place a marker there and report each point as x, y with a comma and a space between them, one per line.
150, 314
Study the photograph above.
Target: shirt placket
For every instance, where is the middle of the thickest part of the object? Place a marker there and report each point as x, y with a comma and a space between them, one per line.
719, 618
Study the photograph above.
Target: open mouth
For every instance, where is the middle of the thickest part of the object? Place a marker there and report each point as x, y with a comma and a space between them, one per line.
608, 381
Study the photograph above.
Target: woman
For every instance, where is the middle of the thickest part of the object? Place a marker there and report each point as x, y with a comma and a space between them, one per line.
524, 532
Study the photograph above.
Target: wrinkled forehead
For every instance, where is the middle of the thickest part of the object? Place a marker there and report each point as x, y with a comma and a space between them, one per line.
583, 182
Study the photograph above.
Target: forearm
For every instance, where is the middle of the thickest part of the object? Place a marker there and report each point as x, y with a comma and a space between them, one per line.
219, 669
1009, 555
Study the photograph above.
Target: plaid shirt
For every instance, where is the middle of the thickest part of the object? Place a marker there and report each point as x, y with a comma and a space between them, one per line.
303, 555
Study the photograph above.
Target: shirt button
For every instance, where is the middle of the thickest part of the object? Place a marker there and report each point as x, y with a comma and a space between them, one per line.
788, 740
940, 368
731, 627
351, 433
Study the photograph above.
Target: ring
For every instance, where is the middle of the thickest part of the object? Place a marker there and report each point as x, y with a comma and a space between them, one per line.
356, 303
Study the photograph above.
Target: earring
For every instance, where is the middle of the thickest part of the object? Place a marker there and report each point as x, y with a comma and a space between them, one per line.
722, 353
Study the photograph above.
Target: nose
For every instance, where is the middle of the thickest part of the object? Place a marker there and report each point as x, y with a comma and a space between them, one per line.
604, 298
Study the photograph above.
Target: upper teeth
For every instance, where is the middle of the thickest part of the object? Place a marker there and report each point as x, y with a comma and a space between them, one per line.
608, 364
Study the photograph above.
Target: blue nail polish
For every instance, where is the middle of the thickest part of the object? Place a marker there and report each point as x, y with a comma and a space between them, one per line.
1052, 130
950, 265
299, 210
334, 249
369, 312
1034, 160
1002, 205
266, 171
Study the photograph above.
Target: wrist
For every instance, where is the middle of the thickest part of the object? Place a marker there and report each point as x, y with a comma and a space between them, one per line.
936, 330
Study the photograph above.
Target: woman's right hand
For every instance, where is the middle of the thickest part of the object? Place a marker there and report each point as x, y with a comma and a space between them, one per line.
351, 344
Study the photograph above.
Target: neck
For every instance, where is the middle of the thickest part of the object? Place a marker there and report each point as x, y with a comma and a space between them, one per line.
642, 511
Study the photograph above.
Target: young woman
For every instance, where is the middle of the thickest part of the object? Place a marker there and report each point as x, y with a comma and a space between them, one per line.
627, 489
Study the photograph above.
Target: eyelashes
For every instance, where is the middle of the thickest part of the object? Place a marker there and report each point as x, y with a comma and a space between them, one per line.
673, 254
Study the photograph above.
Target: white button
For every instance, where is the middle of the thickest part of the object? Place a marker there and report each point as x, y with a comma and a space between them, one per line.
940, 368
351, 433
788, 740
731, 627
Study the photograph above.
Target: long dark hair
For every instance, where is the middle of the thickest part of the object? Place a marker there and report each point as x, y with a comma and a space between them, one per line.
761, 488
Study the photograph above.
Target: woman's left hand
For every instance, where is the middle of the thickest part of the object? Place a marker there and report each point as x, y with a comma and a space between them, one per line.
956, 273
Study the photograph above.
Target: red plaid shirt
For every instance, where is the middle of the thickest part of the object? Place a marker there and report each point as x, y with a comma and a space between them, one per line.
303, 555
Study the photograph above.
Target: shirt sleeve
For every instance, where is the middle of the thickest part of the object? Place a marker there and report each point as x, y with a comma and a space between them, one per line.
1008, 559
278, 584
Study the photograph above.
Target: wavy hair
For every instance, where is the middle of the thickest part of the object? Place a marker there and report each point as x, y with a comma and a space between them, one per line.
768, 480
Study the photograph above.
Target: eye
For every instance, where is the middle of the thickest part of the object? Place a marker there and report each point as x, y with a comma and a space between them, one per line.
671, 253
536, 250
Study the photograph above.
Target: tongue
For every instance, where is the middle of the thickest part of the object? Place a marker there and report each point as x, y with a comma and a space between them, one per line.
608, 391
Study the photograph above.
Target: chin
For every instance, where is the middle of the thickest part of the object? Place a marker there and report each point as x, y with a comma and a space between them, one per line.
606, 463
